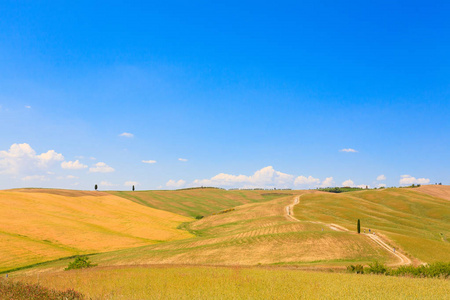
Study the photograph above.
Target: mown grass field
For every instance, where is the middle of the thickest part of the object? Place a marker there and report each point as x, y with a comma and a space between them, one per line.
38, 225
152, 282
194, 202
415, 222
252, 234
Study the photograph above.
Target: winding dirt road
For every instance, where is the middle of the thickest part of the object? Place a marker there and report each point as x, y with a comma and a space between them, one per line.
403, 260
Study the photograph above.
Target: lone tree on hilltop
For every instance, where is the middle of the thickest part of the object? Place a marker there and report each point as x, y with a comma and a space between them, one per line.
96, 187
359, 226
132, 188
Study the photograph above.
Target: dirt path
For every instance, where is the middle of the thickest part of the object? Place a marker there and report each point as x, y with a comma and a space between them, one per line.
403, 260
290, 210
290, 215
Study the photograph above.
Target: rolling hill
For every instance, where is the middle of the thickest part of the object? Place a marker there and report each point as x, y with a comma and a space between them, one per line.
37, 225
264, 230
252, 234
415, 222
199, 201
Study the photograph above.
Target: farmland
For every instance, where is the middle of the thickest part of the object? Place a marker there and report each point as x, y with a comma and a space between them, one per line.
258, 243
40, 225
194, 202
413, 221
182, 282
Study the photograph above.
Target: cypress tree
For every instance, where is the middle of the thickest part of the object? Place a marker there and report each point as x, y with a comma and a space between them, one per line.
96, 187
359, 226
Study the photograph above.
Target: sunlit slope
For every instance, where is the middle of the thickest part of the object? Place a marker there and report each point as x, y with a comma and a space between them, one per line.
194, 202
440, 191
38, 225
256, 233
417, 223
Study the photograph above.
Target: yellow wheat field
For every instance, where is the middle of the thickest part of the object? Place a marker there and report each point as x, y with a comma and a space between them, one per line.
37, 226
237, 283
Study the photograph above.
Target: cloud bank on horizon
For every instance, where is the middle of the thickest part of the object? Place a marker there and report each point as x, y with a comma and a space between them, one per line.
21, 161
266, 177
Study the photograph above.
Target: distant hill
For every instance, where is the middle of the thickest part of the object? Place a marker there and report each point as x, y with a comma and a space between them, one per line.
199, 201
416, 222
440, 191
42, 224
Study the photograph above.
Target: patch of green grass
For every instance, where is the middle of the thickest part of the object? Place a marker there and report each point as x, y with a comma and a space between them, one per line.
194, 202
410, 219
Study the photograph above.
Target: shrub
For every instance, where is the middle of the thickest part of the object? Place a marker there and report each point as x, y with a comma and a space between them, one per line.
80, 263
377, 268
24, 291
438, 269
199, 217
358, 269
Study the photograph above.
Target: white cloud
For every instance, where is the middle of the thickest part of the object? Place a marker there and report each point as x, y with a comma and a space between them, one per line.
73, 165
149, 161
35, 177
307, 181
131, 183
381, 185
101, 167
266, 177
67, 177
21, 158
408, 180
348, 182
381, 177
182, 159
176, 184
106, 183
328, 182
27, 106
45, 158
127, 135
348, 150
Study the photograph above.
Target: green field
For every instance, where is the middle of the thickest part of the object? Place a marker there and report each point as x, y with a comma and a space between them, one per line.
415, 222
195, 202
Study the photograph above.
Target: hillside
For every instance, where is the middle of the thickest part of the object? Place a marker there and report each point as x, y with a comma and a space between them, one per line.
415, 222
252, 234
440, 191
267, 232
43, 224
194, 202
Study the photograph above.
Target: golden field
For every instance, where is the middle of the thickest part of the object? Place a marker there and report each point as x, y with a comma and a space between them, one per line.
40, 225
178, 282
147, 253
252, 234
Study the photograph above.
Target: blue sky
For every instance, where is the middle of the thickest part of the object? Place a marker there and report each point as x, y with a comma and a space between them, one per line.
246, 94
